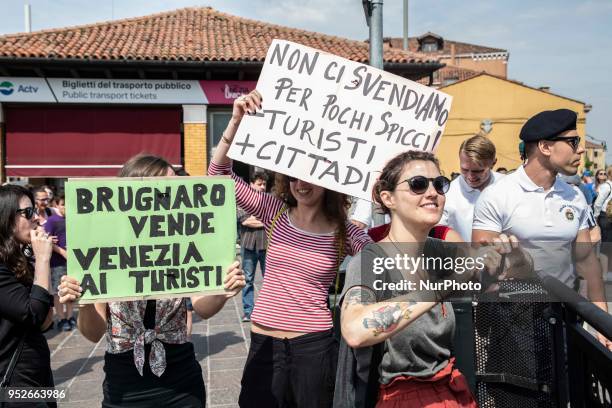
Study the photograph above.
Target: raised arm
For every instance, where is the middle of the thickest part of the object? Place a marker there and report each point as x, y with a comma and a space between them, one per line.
262, 205
246, 104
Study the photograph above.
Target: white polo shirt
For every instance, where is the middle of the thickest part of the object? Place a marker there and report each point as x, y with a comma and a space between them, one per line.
545, 222
459, 208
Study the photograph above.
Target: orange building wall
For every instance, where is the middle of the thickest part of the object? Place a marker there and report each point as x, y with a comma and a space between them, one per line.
599, 162
194, 136
508, 104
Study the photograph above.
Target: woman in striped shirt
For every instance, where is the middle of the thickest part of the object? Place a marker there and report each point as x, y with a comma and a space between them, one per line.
293, 355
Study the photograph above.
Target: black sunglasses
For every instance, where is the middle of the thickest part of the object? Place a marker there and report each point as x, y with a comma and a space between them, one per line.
27, 212
573, 141
420, 184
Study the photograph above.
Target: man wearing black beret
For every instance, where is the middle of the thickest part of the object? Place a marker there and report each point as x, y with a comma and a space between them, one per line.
546, 214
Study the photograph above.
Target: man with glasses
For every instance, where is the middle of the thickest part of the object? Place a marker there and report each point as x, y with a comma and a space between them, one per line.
547, 215
477, 156
42, 205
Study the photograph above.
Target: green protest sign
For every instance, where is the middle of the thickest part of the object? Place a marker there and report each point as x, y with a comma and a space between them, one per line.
152, 237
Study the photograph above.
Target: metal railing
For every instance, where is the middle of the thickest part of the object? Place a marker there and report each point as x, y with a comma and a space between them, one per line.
588, 378
534, 353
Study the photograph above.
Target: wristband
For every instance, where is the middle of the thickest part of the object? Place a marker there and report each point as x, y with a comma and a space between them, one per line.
226, 140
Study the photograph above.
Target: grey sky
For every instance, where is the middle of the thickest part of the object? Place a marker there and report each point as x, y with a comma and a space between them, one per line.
564, 44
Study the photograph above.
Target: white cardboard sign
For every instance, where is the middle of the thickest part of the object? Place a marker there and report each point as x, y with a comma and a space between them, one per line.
334, 122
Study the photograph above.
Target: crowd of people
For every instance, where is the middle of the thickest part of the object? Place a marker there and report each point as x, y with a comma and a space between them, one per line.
305, 351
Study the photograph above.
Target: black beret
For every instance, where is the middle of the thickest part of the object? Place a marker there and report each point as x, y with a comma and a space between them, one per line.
548, 124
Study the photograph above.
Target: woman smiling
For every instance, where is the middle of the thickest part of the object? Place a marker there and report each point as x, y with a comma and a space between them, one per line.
293, 355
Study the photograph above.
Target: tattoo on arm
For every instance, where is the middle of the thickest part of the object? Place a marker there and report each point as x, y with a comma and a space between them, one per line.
358, 296
386, 318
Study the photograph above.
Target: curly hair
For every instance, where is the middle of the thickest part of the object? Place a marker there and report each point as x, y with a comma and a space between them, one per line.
12, 252
335, 205
389, 177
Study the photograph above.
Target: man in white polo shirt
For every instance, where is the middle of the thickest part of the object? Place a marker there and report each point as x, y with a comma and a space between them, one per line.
476, 161
546, 214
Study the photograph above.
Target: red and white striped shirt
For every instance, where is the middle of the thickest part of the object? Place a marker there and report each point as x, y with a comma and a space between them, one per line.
300, 265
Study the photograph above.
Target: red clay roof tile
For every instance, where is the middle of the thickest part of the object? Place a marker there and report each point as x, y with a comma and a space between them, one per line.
189, 34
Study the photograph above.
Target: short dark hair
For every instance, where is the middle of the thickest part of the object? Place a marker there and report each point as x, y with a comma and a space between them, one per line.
530, 149
59, 198
259, 175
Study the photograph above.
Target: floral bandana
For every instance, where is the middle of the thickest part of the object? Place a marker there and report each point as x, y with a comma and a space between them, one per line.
126, 331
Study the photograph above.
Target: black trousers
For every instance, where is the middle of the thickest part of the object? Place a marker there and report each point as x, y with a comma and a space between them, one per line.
605, 226
288, 373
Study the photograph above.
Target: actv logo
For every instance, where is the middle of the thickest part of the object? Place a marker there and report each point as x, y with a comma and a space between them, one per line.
6, 88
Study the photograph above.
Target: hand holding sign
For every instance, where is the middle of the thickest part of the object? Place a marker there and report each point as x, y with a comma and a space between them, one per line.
69, 289
234, 280
246, 104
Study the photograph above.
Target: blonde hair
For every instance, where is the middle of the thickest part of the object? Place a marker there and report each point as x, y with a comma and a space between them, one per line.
479, 149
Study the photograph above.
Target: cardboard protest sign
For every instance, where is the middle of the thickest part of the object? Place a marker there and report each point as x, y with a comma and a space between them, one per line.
334, 122
151, 237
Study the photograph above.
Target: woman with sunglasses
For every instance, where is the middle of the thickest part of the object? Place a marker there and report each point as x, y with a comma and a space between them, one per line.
149, 360
600, 178
292, 357
603, 189
25, 302
417, 367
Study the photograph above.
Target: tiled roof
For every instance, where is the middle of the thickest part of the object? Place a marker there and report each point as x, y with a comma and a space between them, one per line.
449, 73
460, 47
189, 34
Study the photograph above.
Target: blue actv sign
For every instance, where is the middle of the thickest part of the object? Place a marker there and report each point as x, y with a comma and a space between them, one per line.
15, 89
6, 88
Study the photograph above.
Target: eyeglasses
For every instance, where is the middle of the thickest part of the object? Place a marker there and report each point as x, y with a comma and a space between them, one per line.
573, 141
27, 212
420, 184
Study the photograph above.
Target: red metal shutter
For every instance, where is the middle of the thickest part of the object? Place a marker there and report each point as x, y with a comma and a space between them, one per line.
66, 141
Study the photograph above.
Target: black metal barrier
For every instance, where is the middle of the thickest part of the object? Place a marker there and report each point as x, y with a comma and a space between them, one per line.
521, 350
525, 352
589, 363
513, 348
